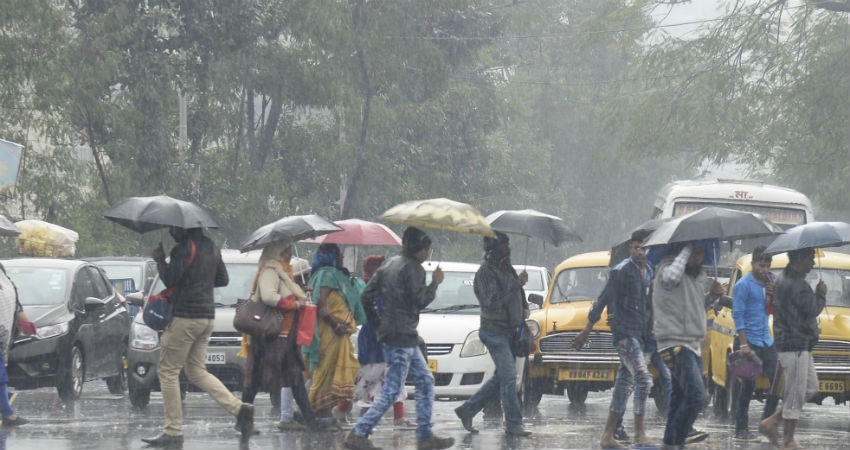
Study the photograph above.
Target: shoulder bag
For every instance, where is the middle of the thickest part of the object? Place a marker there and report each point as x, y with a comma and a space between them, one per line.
255, 318
157, 312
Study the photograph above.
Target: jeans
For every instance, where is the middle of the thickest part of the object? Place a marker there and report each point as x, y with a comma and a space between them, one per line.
663, 378
502, 382
5, 407
688, 394
742, 401
632, 374
401, 362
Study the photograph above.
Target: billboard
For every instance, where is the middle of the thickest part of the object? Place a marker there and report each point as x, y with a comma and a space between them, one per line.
10, 164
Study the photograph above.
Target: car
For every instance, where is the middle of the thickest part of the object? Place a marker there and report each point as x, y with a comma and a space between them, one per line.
82, 327
141, 270
225, 342
831, 353
457, 358
538, 282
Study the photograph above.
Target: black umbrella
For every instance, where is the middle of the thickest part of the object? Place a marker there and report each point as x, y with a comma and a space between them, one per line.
811, 235
143, 214
532, 223
7, 228
620, 251
291, 228
713, 223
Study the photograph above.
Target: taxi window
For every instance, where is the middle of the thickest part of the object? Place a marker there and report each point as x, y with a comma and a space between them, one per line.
837, 284
584, 283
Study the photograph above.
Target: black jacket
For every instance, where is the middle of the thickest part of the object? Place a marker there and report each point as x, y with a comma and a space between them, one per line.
795, 313
502, 299
193, 293
400, 281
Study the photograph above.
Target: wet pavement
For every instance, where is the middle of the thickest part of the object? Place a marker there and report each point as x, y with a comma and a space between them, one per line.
104, 421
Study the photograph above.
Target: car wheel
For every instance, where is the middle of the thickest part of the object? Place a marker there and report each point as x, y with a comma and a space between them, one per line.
577, 393
117, 384
71, 376
531, 391
139, 395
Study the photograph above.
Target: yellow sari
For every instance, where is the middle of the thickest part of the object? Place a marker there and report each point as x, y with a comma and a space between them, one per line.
333, 379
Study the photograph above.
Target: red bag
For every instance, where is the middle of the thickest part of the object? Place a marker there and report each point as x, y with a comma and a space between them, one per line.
306, 325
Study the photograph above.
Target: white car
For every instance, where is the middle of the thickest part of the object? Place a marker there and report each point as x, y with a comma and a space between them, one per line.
457, 357
538, 282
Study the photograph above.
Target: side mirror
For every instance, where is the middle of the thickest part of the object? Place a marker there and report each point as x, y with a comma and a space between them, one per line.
725, 301
136, 299
536, 299
94, 302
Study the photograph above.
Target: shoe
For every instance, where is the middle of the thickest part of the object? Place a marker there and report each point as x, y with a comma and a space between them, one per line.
165, 440
465, 420
403, 424
517, 431
695, 436
16, 422
289, 426
435, 443
245, 420
323, 424
745, 435
355, 442
238, 427
621, 435
339, 415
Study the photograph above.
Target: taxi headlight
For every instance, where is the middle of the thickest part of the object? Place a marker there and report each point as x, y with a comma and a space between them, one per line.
472, 346
143, 337
533, 327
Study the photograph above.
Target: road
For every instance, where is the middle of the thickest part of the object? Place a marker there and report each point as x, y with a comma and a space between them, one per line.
103, 421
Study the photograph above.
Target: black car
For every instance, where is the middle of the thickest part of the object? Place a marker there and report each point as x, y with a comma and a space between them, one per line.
119, 269
82, 327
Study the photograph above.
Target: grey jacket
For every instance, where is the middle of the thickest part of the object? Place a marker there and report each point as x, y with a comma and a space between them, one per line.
400, 281
679, 309
795, 313
502, 299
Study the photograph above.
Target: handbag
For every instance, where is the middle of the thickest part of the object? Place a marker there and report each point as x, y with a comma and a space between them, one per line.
157, 312
306, 325
521, 342
257, 318
747, 368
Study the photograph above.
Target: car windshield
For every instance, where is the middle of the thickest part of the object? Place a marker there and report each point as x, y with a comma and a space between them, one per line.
455, 293
241, 278
584, 283
837, 284
535, 280
40, 285
120, 272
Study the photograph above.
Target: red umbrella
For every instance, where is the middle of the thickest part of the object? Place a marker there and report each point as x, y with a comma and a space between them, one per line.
358, 232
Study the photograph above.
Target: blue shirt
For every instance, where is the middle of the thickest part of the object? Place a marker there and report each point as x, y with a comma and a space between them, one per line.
626, 294
748, 311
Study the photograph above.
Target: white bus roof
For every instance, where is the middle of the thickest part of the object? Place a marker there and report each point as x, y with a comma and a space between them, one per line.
732, 191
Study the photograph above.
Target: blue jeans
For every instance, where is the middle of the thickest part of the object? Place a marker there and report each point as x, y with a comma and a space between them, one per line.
5, 407
663, 378
402, 361
688, 395
742, 401
502, 382
632, 374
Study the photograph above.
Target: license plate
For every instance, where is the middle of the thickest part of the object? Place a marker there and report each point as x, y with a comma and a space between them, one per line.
830, 386
216, 358
587, 375
432, 365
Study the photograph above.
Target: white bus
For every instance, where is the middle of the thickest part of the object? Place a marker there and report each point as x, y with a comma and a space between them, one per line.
782, 206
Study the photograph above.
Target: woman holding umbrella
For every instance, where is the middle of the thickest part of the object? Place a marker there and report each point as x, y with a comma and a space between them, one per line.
331, 355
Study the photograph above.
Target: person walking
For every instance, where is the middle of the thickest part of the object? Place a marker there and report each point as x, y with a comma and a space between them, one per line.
331, 355
274, 363
753, 329
195, 268
626, 294
400, 281
795, 326
499, 291
13, 320
678, 301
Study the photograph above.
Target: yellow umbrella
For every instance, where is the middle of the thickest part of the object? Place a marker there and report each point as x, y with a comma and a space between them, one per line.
439, 213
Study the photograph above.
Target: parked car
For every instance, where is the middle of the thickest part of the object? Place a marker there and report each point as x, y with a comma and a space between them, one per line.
831, 353
82, 327
538, 282
118, 269
224, 344
456, 356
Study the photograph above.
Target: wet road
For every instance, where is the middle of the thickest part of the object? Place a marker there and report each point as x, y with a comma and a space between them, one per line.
104, 421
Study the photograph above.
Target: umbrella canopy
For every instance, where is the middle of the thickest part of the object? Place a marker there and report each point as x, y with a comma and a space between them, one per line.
7, 228
143, 214
291, 228
439, 213
815, 235
358, 232
532, 223
620, 251
713, 223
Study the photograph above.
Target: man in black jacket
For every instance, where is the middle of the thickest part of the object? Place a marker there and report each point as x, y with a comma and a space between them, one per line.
400, 281
194, 269
795, 327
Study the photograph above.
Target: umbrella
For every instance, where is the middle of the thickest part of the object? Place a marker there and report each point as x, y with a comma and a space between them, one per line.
713, 223
439, 213
814, 235
358, 232
291, 228
620, 251
7, 228
143, 214
532, 223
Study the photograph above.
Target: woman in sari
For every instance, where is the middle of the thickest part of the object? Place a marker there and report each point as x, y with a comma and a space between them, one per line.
331, 355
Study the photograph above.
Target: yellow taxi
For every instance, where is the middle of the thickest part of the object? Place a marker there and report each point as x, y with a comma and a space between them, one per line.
831, 353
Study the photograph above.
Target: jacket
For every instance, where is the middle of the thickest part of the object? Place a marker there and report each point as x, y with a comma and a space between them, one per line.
678, 302
795, 312
277, 289
748, 311
193, 291
502, 299
401, 283
627, 296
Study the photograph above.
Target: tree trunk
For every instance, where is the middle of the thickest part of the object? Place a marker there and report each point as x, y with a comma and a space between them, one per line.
268, 131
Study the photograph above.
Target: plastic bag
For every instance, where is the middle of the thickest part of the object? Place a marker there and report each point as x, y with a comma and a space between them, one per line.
40, 238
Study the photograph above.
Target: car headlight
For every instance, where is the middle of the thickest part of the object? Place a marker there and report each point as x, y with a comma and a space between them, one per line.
533, 327
143, 337
51, 330
473, 346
